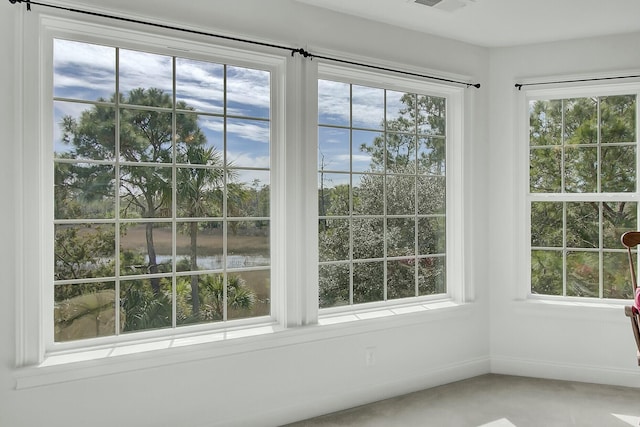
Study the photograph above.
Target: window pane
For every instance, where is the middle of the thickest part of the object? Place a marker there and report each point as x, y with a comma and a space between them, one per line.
248, 244
248, 143
581, 121
545, 170
401, 278
546, 272
368, 238
368, 282
367, 194
248, 193
199, 192
199, 246
581, 170
431, 236
400, 105
617, 219
248, 294
432, 118
84, 311
617, 278
333, 285
401, 236
248, 92
333, 149
618, 118
368, 107
83, 71
431, 195
146, 303
401, 153
367, 151
333, 194
199, 139
432, 276
83, 131
84, 251
146, 78
546, 224
583, 274
200, 85
146, 248
432, 154
84, 191
545, 122
145, 192
334, 103
582, 225
619, 169
146, 136
200, 299
400, 195
334, 239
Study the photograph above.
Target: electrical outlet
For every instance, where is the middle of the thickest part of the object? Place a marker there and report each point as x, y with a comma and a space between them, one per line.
370, 356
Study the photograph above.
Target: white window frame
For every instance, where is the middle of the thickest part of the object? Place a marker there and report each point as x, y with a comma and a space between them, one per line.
455, 102
525, 197
36, 330
294, 254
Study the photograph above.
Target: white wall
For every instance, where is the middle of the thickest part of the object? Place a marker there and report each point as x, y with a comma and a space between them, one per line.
587, 344
281, 384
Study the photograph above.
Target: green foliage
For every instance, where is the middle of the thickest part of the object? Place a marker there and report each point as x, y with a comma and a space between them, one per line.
86, 187
406, 176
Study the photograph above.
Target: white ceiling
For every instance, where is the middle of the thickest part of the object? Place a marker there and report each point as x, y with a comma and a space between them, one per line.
494, 23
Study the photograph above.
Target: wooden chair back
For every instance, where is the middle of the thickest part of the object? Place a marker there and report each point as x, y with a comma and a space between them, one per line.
630, 240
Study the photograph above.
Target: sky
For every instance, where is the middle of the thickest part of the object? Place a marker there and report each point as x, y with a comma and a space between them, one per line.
87, 72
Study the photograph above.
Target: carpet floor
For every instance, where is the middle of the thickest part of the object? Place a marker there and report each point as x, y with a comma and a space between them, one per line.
497, 401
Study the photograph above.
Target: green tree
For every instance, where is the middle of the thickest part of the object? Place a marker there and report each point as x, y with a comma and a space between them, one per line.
199, 194
87, 190
145, 136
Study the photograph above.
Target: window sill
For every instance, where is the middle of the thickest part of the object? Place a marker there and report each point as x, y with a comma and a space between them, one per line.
115, 359
572, 308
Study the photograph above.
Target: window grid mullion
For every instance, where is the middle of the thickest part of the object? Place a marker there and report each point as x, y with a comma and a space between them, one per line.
225, 198
116, 190
351, 213
174, 202
384, 201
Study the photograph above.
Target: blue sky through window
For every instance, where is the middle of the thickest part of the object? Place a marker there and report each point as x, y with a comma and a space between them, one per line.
87, 72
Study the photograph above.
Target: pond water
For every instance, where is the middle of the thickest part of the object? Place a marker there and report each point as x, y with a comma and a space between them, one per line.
216, 262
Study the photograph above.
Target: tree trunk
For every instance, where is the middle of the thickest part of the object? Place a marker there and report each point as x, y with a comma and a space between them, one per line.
195, 298
153, 263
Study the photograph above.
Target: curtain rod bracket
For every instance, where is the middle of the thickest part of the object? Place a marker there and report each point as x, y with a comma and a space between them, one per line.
20, 1
302, 52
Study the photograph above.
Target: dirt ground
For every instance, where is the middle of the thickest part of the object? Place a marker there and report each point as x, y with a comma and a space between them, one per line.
209, 241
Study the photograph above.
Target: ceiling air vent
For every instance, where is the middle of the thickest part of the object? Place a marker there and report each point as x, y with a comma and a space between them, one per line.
428, 2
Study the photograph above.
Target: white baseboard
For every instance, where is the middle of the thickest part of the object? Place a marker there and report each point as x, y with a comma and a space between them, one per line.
564, 371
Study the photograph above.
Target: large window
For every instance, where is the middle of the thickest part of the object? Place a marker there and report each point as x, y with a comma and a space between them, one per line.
583, 187
161, 191
382, 157
176, 190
